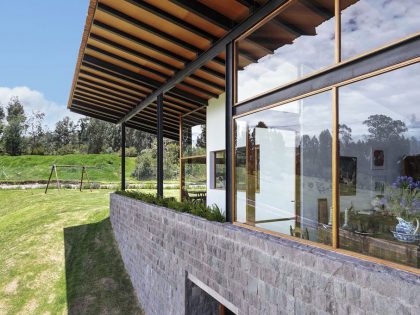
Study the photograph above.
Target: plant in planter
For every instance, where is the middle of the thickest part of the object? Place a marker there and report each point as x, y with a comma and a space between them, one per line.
211, 213
402, 199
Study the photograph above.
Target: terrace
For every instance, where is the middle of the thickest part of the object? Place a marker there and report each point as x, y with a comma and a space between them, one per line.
263, 97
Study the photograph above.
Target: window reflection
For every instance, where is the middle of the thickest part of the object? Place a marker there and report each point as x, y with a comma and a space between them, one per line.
193, 171
193, 138
296, 42
380, 166
370, 24
283, 168
219, 170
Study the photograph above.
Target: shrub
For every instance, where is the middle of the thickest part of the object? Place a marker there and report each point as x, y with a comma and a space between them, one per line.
212, 213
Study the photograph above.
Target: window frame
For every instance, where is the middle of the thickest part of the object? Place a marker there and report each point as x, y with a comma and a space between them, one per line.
213, 160
335, 168
336, 64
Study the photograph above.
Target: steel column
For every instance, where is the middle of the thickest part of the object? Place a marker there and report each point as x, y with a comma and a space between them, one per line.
160, 145
229, 130
123, 156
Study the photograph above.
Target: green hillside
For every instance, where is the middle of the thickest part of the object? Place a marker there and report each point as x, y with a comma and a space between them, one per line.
106, 167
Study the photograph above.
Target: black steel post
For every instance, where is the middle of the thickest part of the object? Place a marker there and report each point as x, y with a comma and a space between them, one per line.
160, 145
123, 156
229, 130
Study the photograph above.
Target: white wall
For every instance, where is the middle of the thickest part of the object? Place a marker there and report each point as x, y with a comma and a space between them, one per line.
216, 118
276, 198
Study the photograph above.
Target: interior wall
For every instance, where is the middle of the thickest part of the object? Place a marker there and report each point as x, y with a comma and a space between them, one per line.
216, 117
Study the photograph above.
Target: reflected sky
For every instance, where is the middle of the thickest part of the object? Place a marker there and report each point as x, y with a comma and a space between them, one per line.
288, 63
369, 24
395, 94
366, 25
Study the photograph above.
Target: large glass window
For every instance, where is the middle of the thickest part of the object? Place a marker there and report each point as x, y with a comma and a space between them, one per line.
193, 137
369, 24
193, 159
299, 40
380, 166
283, 168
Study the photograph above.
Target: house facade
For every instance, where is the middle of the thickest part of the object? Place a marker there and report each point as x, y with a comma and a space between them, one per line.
299, 119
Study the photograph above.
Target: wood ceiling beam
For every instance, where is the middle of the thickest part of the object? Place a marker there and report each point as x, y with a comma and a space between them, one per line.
94, 114
92, 108
92, 91
152, 60
87, 97
105, 109
152, 30
112, 88
194, 65
83, 84
216, 18
155, 48
143, 80
185, 102
172, 19
292, 29
318, 9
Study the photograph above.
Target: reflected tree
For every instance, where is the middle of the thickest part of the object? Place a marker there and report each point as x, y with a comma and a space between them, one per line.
383, 128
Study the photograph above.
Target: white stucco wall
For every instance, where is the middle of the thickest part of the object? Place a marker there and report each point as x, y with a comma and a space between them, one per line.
215, 142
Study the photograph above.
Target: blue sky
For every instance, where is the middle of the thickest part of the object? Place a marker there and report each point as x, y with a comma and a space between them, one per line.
38, 51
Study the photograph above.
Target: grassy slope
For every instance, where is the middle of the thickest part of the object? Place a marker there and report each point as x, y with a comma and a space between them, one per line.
57, 254
37, 167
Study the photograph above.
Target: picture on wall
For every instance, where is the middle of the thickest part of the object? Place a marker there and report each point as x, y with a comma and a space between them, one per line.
411, 166
348, 175
378, 159
378, 185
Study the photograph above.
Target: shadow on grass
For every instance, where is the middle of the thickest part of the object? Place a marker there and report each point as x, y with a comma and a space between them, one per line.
96, 280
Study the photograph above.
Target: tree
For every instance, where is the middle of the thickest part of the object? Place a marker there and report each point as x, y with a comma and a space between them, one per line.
383, 128
345, 134
96, 135
36, 132
65, 135
2, 116
13, 137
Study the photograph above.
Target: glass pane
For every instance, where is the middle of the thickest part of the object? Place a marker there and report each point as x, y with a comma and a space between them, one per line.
219, 170
380, 166
369, 24
294, 43
283, 168
194, 172
193, 137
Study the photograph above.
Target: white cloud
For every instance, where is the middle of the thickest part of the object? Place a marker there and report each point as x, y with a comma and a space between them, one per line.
366, 25
33, 100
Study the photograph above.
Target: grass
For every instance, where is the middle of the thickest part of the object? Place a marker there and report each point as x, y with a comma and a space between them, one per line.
38, 167
58, 255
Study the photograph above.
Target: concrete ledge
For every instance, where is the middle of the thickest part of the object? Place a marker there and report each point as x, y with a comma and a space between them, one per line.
255, 272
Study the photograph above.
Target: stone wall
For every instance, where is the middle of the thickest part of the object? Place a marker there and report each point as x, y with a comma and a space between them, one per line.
257, 273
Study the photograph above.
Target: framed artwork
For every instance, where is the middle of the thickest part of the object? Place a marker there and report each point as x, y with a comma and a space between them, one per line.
378, 159
348, 175
411, 166
378, 185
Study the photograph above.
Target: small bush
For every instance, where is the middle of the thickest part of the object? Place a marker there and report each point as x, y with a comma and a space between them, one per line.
212, 213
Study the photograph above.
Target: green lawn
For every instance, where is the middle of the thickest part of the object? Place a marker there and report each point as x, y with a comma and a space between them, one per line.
38, 167
58, 255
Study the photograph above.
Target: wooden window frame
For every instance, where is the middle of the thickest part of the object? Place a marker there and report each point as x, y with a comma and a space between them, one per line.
334, 88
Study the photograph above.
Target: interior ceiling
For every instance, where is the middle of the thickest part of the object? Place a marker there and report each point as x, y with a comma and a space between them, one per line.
131, 47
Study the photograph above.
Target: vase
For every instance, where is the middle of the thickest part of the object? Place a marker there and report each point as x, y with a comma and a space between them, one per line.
406, 231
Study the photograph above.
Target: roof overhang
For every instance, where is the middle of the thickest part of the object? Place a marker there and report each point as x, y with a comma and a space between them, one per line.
134, 50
